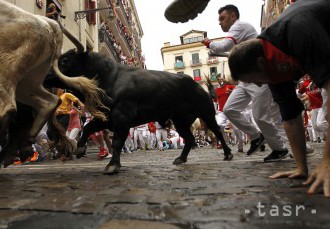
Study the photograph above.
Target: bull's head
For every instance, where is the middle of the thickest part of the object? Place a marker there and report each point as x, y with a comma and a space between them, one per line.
70, 63
74, 64
86, 86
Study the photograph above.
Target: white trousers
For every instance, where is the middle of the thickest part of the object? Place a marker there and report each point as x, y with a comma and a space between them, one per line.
140, 134
261, 99
222, 121
161, 135
72, 135
319, 123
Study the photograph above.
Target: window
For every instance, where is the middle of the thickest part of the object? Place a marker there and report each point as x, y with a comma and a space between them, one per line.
195, 58
58, 9
178, 59
178, 62
91, 17
192, 39
197, 74
213, 73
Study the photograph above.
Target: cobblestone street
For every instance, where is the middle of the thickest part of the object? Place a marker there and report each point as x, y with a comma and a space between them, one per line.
150, 192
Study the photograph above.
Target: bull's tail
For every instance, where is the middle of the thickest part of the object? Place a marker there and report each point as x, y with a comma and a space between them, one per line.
87, 87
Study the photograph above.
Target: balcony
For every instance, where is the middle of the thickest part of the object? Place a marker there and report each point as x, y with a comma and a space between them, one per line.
179, 65
104, 37
197, 62
124, 12
213, 77
212, 60
197, 78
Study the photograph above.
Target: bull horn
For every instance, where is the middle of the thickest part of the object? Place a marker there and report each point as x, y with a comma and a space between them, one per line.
75, 41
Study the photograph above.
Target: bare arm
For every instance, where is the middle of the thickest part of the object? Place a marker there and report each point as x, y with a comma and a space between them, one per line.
321, 175
294, 129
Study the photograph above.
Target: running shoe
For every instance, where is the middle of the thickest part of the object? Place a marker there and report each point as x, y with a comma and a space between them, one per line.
184, 10
103, 153
276, 155
255, 144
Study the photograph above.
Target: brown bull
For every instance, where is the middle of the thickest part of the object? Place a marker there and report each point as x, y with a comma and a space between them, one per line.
29, 45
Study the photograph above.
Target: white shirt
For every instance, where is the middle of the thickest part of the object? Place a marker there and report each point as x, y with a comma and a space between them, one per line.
238, 32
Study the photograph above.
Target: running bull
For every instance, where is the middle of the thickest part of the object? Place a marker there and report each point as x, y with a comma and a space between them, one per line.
140, 96
29, 45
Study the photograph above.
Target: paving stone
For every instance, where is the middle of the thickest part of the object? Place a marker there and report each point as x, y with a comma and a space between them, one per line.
151, 192
124, 224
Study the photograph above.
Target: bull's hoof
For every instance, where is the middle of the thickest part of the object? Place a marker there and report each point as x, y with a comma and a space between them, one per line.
81, 151
179, 161
112, 168
228, 157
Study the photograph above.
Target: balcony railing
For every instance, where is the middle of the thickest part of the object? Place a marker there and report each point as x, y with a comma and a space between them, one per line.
197, 78
123, 11
213, 77
212, 60
197, 62
104, 37
179, 65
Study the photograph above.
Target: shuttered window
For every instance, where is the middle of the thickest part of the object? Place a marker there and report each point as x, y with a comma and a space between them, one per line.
91, 17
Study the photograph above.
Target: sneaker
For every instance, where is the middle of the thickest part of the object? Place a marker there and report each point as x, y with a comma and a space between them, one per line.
219, 146
255, 144
240, 150
310, 151
17, 161
276, 155
184, 10
109, 156
103, 153
35, 156
126, 150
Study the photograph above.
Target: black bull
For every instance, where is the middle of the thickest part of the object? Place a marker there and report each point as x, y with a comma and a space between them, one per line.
139, 96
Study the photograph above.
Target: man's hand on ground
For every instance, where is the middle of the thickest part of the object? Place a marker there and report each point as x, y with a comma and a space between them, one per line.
321, 175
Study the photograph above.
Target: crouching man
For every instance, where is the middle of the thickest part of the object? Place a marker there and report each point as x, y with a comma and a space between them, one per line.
296, 44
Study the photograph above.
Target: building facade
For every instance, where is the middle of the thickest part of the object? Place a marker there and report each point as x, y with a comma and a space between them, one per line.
272, 10
191, 57
85, 18
120, 32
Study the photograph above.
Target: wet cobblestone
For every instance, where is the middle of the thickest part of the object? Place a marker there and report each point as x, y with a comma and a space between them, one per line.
150, 192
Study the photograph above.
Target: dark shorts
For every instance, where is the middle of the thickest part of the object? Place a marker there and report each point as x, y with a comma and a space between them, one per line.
285, 96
